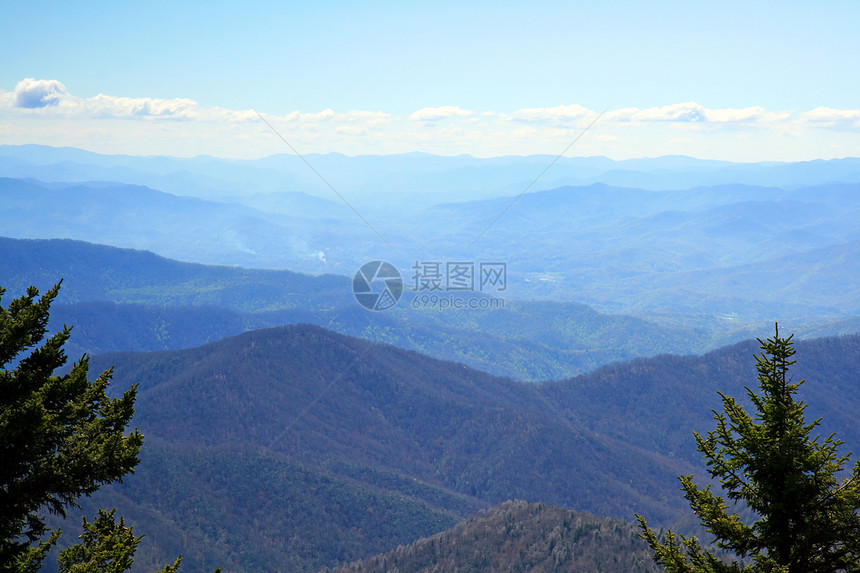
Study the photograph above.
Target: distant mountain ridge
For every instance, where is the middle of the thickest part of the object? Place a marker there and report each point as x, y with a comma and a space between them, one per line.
406, 437
517, 536
684, 253
209, 176
123, 299
260, 381
306, 447
134, 216
428, 441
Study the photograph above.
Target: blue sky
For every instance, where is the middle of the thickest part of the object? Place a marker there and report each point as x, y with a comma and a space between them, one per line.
741, 81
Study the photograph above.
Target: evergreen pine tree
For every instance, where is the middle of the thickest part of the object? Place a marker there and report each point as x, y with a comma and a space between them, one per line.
805, 517
107, 546
60, 437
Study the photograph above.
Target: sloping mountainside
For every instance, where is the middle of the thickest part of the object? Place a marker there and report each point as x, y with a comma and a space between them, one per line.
320, 397
518, 536
248, 509
102, 273
121, 299
657, 403
322, 449
309, 449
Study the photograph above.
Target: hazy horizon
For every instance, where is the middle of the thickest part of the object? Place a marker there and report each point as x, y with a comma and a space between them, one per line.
743, 83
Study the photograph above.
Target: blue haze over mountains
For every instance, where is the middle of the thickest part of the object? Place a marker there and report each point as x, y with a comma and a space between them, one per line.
121, 299
721, 248
298, 446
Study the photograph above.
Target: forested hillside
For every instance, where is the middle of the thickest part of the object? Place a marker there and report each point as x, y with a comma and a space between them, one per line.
656, 403
286, 424
517, 536
369, 438
430, 287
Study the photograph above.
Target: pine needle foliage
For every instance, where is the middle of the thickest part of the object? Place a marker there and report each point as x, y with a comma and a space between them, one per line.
61, 437
107, 546
805, 510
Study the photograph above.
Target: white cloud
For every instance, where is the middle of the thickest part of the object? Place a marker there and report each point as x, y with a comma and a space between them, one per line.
438, 113
42, 111
689, 111
32, 94
686, 112
745, 115
351, 130
324, 115
370, 118
127, 107
829, 117
692, 112
559, 115
223, 114
50, 98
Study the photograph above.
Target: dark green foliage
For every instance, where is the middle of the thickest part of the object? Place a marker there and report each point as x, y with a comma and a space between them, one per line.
62, 437
806, 518
106, 546
518, 536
